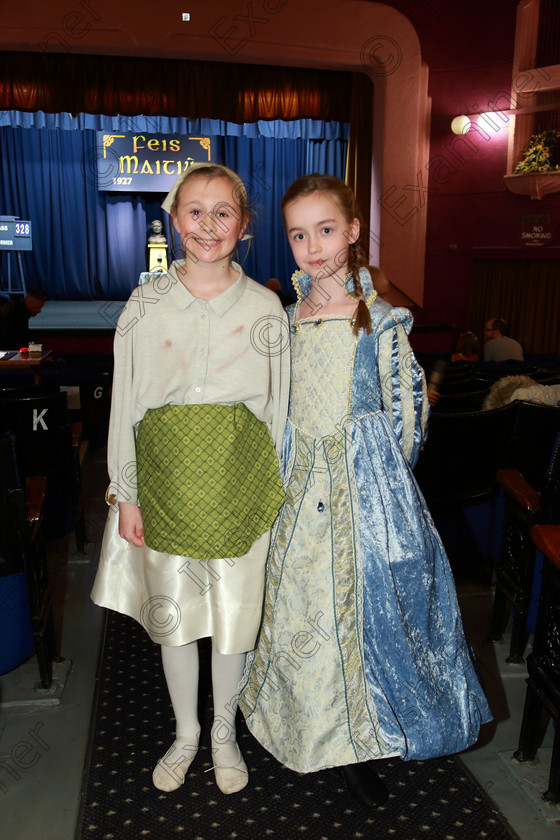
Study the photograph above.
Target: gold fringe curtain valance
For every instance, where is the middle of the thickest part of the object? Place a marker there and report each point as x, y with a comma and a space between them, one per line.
238, 93
129, 86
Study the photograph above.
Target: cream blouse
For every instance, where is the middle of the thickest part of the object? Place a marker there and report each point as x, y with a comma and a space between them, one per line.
172, 348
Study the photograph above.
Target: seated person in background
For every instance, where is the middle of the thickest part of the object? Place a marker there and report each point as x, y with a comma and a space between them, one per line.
467, 348
14, 319
498, 346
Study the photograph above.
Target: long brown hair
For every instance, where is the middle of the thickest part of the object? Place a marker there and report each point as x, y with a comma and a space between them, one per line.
346, 200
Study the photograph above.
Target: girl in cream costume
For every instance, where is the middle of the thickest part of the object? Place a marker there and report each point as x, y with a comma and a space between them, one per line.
199, 406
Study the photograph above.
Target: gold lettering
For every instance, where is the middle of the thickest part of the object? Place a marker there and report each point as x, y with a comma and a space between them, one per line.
170, 171
128, 159
174, 145
135, 145
146, 168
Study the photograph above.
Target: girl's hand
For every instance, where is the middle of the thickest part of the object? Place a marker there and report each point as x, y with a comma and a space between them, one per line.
131, 527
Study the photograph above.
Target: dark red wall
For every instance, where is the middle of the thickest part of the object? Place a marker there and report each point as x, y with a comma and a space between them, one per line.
469, 51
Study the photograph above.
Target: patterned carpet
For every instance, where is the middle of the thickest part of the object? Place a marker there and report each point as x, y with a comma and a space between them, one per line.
133, 727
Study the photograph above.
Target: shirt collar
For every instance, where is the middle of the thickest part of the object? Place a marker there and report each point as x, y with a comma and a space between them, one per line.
182, 298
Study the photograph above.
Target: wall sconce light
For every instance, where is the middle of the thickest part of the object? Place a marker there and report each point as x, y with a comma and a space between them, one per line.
460, 125
491, 122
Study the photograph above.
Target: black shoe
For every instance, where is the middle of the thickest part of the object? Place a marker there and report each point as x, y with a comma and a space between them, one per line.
364, 785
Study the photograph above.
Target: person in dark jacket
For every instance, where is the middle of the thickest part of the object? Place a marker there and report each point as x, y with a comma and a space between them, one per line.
14, 319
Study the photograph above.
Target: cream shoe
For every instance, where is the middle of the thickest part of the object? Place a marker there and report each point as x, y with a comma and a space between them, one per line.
232, 779
170, 771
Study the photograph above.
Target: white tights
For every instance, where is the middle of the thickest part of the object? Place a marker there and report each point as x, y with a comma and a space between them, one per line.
180, 665
227, 670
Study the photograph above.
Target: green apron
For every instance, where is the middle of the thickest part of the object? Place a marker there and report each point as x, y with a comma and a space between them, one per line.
208, 479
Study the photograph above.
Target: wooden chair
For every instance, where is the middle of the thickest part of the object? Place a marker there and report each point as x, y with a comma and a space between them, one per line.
23, 550
525, 506
543, 664
48, 444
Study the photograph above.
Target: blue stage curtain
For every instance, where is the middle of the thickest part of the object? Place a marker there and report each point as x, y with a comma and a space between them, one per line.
91, 245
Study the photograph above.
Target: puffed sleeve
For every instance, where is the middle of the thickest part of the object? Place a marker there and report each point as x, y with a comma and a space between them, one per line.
403, 384
121, 445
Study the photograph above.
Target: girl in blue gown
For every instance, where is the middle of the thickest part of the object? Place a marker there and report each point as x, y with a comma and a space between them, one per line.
361, 654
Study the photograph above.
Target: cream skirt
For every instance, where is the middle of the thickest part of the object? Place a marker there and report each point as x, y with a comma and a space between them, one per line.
178, 599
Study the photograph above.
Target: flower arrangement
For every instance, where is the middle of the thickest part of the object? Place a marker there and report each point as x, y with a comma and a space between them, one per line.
542, 155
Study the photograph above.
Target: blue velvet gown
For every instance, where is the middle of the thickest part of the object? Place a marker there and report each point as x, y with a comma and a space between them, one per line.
361, 653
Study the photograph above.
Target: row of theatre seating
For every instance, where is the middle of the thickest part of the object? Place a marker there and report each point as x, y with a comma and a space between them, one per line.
507, 460
465, 385
464, 449
40, 498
